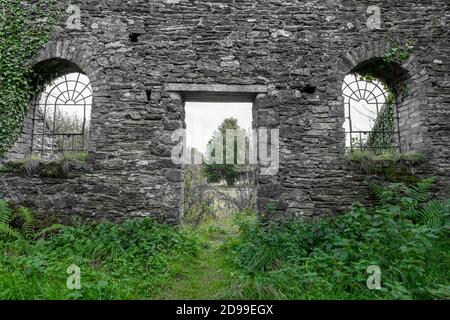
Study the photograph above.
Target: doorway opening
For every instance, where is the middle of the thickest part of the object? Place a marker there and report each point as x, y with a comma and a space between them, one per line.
220, 175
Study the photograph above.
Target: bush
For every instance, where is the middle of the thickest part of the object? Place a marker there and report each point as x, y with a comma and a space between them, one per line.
198, 199
404, 235
133, 260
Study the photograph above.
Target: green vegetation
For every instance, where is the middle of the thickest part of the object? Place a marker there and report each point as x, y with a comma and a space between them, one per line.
58, 167
15, 224
216, 172
399, 52
388, 164
81, 156
210, 273
133, 260
198, 200
387, 70
383, 133
24, 29
391, 156
405, 234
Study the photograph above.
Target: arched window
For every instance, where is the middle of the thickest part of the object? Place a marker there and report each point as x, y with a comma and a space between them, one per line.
61, 116
371, 120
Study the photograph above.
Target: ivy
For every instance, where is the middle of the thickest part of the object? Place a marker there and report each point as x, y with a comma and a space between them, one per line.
382, 135
399, 54
386, 69
24, 29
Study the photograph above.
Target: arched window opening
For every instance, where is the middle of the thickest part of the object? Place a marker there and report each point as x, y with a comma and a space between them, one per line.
371, 117
61, 116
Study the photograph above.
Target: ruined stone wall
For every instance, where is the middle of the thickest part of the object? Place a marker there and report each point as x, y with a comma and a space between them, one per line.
301, 50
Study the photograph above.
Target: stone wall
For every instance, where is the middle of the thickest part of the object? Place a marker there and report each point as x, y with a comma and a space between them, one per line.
300, 50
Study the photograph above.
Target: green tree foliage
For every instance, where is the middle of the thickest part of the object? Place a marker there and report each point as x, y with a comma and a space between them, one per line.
216, 172
24, 28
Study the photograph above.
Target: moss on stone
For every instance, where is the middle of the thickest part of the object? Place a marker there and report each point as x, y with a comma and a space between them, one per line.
36, 166
393, 166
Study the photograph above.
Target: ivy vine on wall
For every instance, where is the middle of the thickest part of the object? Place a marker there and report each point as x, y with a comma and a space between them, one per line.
24, 29
382, 136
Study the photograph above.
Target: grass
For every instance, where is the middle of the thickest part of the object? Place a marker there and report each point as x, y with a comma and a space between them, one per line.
57, 167
134, 260
405, 235
210, 273
387, 155
80, 156
391, 165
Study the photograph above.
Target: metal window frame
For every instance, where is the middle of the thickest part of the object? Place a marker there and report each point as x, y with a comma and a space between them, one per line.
363, 93
61, 93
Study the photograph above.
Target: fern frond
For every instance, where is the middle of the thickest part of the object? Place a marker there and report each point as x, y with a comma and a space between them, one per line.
27, 219
382, 194
7, 232
420, 190
49, 230
432, 214
5, 213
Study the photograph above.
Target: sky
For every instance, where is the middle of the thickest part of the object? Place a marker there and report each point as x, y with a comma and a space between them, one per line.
203, 118
70, 94
367, 97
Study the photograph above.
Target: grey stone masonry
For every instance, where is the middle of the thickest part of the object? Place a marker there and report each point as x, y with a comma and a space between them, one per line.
145, 58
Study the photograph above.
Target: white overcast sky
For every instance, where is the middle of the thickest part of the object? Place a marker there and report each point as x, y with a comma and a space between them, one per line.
363, 112
69, 93
203, 118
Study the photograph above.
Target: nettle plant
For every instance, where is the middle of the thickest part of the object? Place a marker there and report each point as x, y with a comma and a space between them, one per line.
24, 29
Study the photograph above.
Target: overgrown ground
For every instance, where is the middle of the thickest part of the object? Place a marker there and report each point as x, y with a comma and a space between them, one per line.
210, 273
406, 236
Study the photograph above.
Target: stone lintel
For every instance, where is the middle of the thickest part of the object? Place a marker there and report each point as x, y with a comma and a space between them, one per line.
217, 92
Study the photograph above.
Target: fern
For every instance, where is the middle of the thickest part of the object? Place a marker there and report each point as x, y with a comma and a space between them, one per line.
382, 194
7, 232
410, 196
15, 224
421, 189
44, 233
27, 221
5, 213
434, 213
431, 215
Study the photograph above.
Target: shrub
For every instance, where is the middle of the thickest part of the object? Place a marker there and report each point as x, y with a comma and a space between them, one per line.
406, 236
133, 260
198, 199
